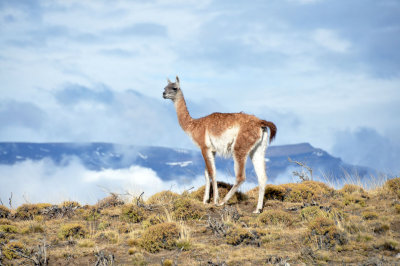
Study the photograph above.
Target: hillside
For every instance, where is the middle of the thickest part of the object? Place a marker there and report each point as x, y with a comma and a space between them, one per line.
301, 224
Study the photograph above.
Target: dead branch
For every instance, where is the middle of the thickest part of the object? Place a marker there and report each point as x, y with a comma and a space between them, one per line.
303, 176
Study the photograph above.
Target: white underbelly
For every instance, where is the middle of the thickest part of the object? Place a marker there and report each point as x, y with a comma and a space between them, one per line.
223, 144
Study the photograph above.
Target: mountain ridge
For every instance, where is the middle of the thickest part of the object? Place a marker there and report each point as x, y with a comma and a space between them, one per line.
170, 163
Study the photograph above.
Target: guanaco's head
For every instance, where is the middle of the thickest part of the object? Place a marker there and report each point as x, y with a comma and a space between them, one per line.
172, 90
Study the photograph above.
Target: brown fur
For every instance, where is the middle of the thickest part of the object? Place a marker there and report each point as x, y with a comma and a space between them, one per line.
216, 123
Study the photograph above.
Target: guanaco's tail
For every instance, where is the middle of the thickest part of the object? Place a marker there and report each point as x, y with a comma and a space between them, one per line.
272, 129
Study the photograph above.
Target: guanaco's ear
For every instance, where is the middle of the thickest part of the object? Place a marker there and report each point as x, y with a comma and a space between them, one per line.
168, 80
177, 79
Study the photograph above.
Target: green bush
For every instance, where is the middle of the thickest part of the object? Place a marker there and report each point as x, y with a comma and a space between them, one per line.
369, 215
163, 197
393, 185
12, 250
185, 208
29, 211
160, 236
132, 213
4, 212
74, 230
7, 228
275, 217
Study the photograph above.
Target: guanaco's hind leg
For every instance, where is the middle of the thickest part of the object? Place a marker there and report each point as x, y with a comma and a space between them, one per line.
240, 171
257, 156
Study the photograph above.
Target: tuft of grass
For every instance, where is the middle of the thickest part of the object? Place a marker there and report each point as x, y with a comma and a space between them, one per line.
380, 228
275, 217
237, 235
387, 244
369, 215
86, 243
160, 236
29, 211
393, 186
75, 230
167, 262
223, 189
4, 212
33, 227
185, 208
132, 213
110, 235
354, 199
351, 188
4, 221
70, 204
311, 212
163, 197
397, 208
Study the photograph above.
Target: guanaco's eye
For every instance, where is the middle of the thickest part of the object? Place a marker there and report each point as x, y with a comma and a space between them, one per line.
175, 89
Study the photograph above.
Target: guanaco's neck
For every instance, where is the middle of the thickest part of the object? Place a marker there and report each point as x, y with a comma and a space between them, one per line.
184, 118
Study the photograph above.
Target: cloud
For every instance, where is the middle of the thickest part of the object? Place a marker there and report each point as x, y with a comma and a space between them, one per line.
331, 41
20, 114
45, 181
75, 93
365, 146
140, 29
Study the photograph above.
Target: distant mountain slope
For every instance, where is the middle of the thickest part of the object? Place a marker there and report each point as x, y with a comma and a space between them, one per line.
171, 163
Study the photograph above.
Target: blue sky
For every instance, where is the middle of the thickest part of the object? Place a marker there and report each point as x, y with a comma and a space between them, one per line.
326, 72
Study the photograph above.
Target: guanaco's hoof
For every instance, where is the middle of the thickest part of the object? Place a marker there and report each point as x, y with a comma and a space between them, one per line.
257, 211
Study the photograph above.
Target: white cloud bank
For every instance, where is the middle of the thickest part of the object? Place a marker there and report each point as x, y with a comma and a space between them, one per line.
44, 181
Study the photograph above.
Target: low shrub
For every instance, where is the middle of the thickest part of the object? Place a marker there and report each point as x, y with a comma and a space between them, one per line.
275, 217
12, 250
163, 197
328, 235
90, 213
393, 186
75, 230
380, 228
29, 211
109, 235
397, 208
185, 208
4, 212
33, 227
153, 219
351, 188
70, 204
10, 229
132, 213
111, 201
86, 243
160, 236
311, 212
369, 215
307, 191
237, 235
387, 244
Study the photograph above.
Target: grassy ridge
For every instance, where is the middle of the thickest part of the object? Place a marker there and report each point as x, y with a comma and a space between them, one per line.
302, 223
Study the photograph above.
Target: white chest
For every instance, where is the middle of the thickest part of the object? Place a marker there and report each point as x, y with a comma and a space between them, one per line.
223, 144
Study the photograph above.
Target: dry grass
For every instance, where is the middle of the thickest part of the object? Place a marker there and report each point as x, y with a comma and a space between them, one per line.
302, 223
